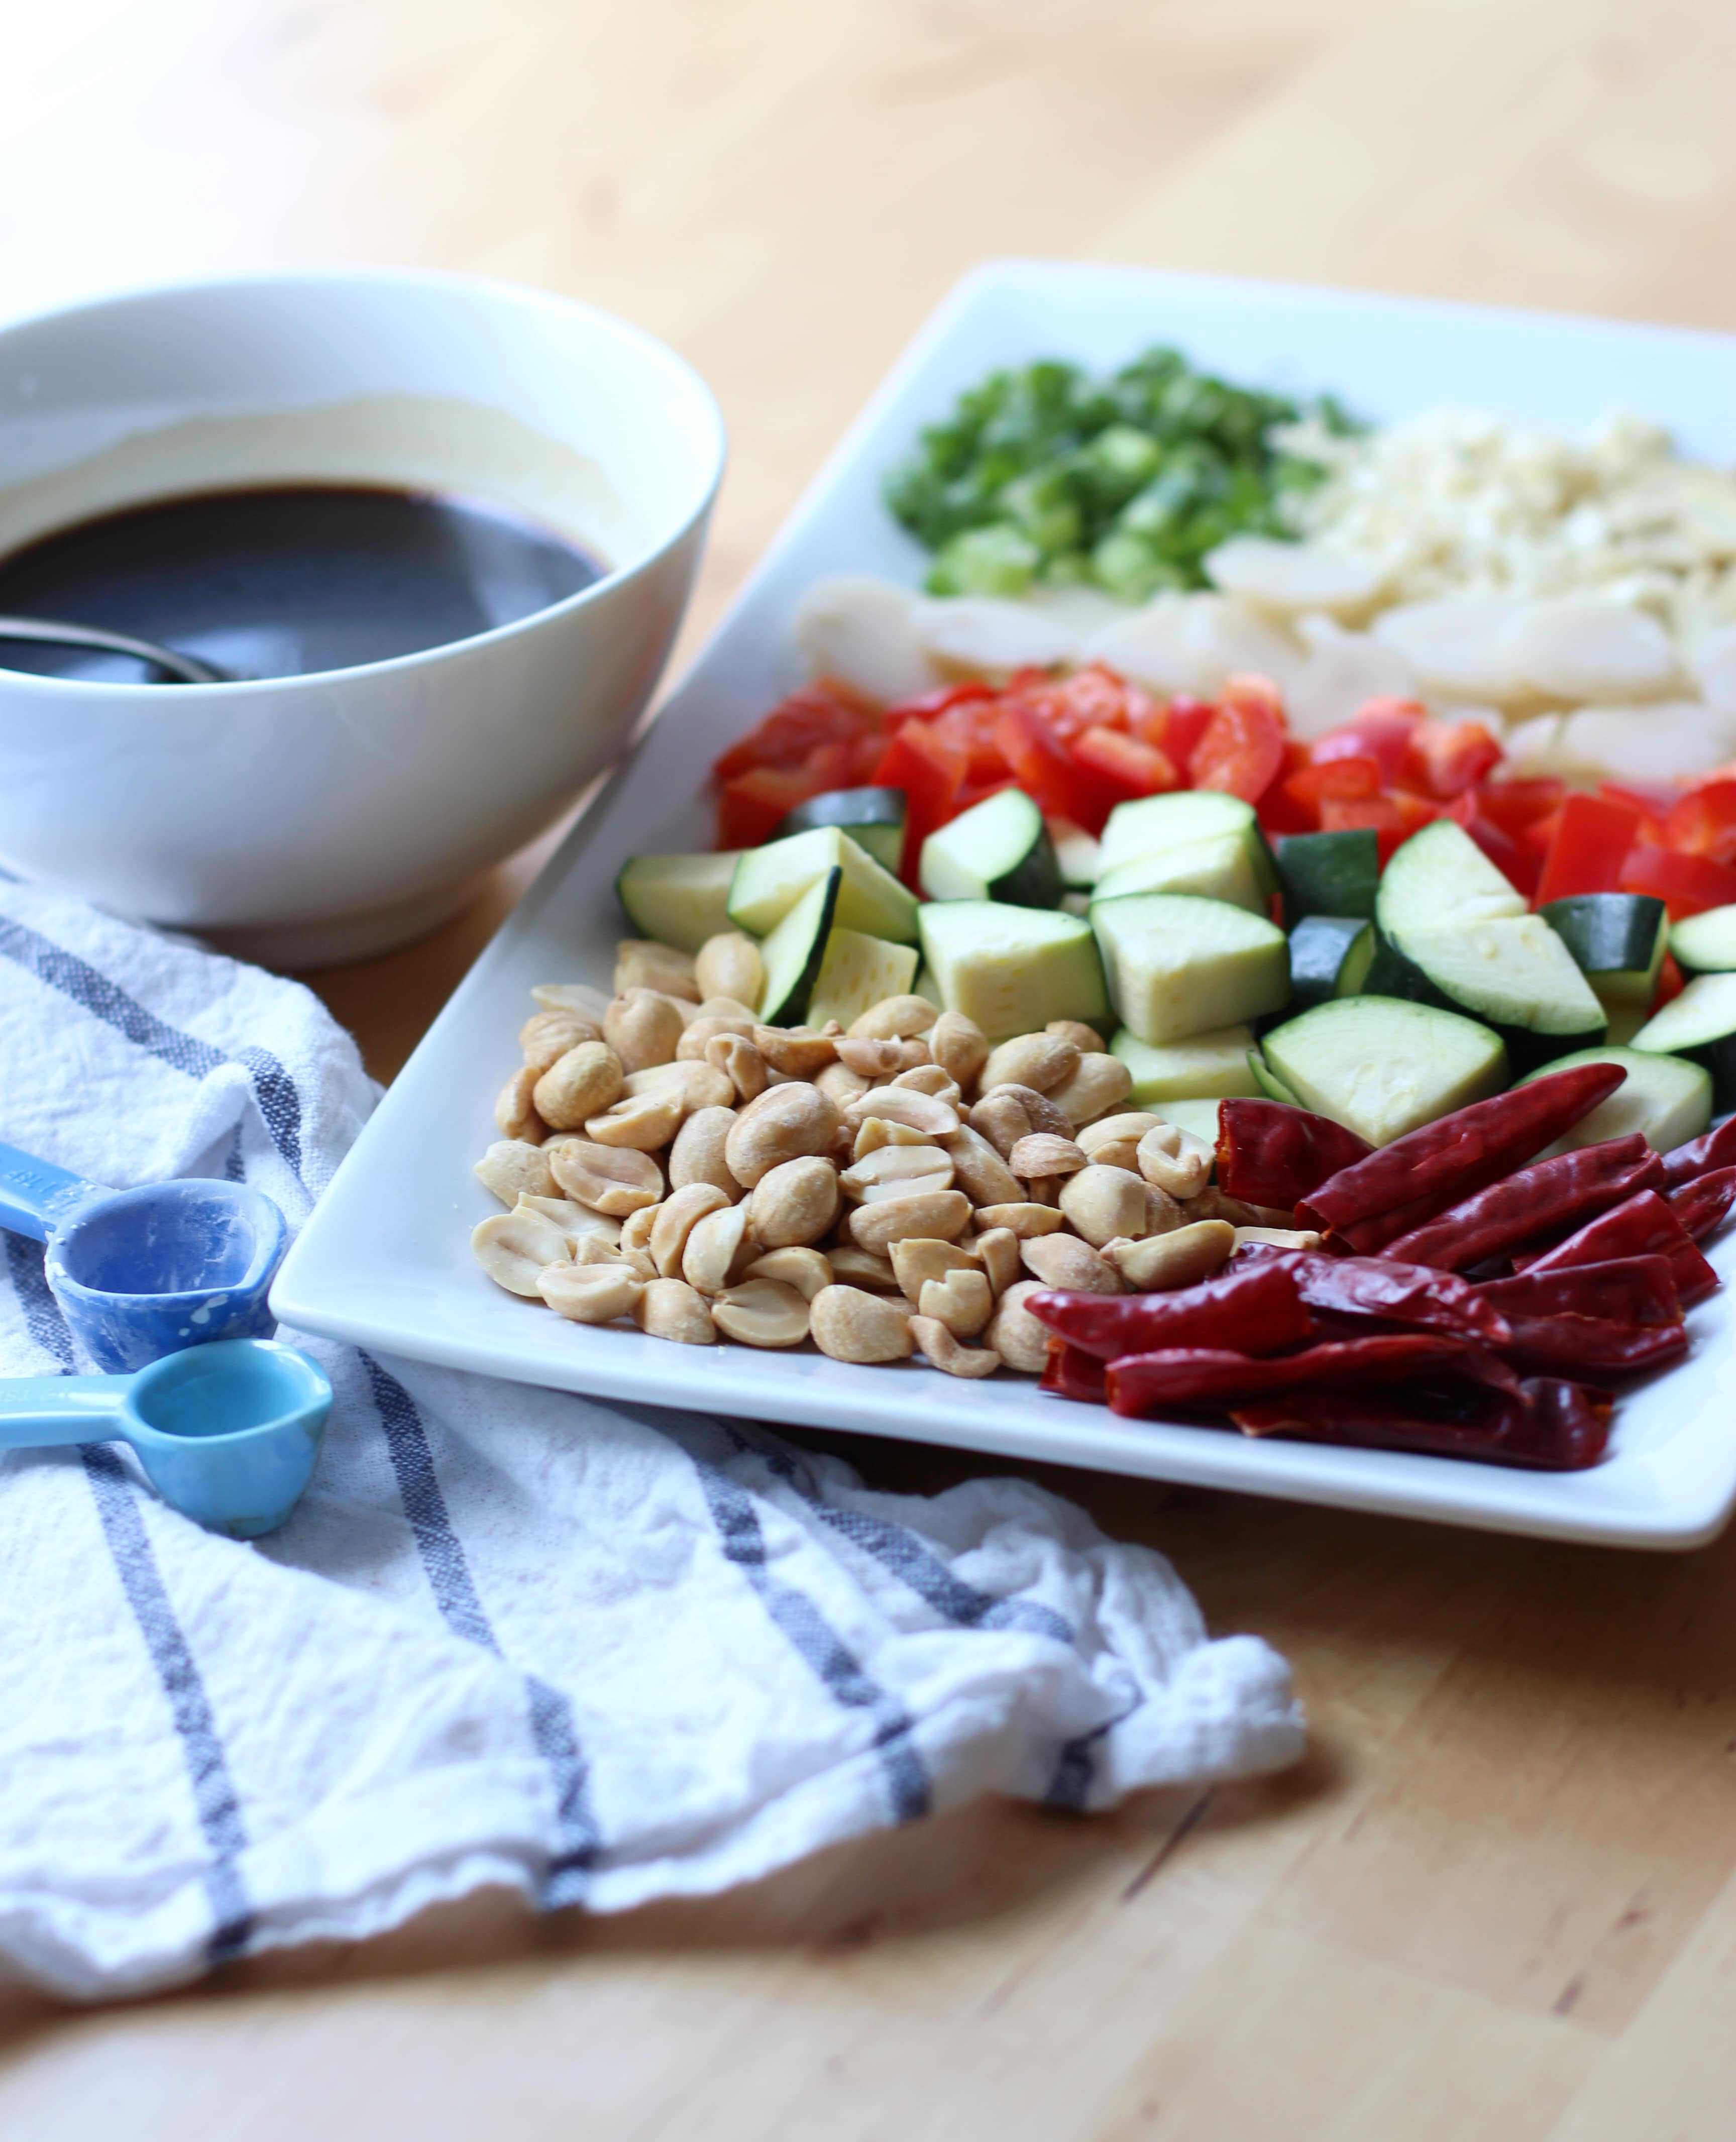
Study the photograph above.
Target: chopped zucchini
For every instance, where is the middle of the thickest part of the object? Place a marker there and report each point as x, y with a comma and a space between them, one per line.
1077, 855
1666, 1097
796, 951
1197, 1114
1075, 903
1215, 868
873, 817
1329, 873
926, 987
768, 881
1616, 938
999, 849
1209, 1065
1267, 1081
1013, 969
1153, 824
1382, 1066
1705, 944
1329, 956
1441, 876
1178, 966
678, 900
1626, 1021
858, 972
1700, 1024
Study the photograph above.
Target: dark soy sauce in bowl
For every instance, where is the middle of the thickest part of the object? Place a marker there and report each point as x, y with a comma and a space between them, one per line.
285, 579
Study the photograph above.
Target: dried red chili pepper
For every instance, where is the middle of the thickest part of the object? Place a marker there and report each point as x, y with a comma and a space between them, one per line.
1550, 1426
1638, 1290
1641, 1226
1070, 1372
1702, 1205
1399, 1293
1394, 1191
1254, 1308
1215, 1377
1716, 1150
1539, 1201
1272, 1154
1570, 1345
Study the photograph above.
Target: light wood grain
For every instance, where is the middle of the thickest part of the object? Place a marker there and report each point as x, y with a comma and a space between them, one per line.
1496, 1900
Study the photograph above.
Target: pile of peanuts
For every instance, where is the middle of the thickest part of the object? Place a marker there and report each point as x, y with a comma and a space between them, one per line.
904, 1186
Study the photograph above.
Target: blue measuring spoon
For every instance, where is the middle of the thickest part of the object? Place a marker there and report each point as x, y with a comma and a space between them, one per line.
227, 1433
141, 1273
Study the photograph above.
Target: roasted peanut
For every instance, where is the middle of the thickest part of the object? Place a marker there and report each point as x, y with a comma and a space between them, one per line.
574, 1221
942, 1349
851, 1325
1044, 1117
1037, 1060
580, 1084
959, 1047
1101, 1082
761, 1312
807, 1270
963, 1300
515, 1111
1180, 1258
1212, 1204
875, 1132
1020, 1217
998, 1252
1163, 1213
880, 1059
514, 1168
840, 1084
642, 964
590, 1003
901, 1104
786, 1123
793, 1204
699, 1085
547, 1035
1042, 1155
699, 1035
1014, 1333
919, 1260
514, 1248
729, 965
796, 1051
646, 1122
676, 1216
740, 1062
592, 1293
883, 1170
1085, 1039
943, 1214
1280, 1238
612, 1179
671, 1309
718, 1247
982, 1174
593, 1250
856, 1267
1000, 1120
895, 1019
929, 1079
696, 1156
1114, 1141
1065, 1260
1174, 1161
644, 1028
636, 1229
1103, 1202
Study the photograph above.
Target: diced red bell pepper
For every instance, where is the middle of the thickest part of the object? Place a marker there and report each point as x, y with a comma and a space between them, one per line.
928, 704
1094, 697
1446, 758
931, 771
823, 712
1654, 800
750, 806
1539, 836
1348, 780
1046, 770
1670, 983
1176, 729
1514, 805
1381, 729
969, 725
1393, 817
1687, 885
1242, 749
1515, 861
1704, 823
1133, 768
1591, 838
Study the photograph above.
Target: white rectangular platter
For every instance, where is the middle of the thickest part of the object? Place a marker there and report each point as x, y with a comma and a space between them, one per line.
385, 1260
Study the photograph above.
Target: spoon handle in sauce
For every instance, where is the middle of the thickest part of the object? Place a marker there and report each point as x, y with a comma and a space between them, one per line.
49, 632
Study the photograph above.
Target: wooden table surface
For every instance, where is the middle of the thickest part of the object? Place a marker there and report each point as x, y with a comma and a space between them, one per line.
1496, 1899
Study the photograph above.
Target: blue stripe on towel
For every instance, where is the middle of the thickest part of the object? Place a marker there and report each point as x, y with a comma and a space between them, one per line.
801, 1621
214, 1799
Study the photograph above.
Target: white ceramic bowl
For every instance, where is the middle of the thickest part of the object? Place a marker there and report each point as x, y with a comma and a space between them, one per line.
308, 819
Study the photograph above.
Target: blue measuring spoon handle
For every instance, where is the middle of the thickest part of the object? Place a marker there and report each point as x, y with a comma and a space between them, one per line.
35, 1196
35, 1410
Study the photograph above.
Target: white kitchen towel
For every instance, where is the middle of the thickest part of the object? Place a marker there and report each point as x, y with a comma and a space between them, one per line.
599, 1652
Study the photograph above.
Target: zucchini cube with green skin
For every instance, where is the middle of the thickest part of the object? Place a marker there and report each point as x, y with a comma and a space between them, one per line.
1013, 970
1335, 873
678, 900
769, 881
1153, 825
873, 817
1220, 867
1210, 1067
1195, 1113
856, 973
1178, 965
1617, 939
1705, 944
794, 953
1700, 1024
998, 850
1666, 1099
1382, 1066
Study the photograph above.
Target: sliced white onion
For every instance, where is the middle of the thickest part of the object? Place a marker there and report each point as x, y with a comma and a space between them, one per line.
1460, 647
1290, 578
1578, 649
863, 631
